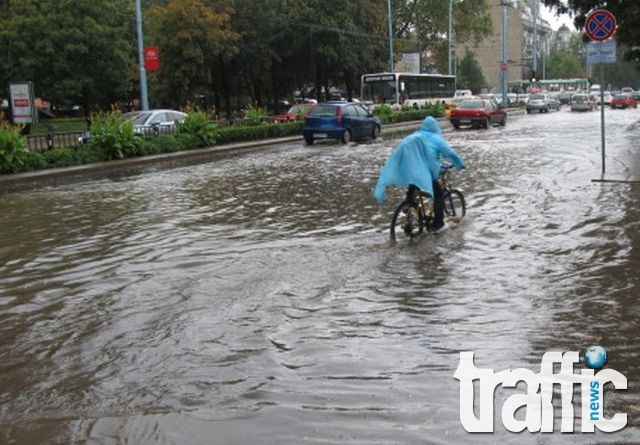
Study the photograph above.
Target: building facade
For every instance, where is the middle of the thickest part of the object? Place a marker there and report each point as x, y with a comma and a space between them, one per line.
524, 34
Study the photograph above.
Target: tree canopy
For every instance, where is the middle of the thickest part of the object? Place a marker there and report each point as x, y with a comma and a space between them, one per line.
220, 53
74, 51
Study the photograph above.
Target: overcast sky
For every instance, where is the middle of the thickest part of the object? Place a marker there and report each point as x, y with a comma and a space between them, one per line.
556, 21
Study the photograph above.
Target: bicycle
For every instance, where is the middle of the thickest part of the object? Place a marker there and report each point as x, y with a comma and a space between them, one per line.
416, 212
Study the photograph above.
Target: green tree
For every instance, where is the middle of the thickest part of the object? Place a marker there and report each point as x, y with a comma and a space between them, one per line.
470, 74
424, 25
74, 51
192, 35
563, 64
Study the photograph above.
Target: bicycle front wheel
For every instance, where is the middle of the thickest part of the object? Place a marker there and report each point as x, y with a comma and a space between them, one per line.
407, 221
454, 204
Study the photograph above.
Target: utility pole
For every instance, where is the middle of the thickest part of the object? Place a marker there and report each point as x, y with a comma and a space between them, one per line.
503, 54
535, 38
143, 72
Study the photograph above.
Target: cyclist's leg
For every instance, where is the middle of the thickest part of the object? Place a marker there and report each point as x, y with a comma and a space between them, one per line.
438, 206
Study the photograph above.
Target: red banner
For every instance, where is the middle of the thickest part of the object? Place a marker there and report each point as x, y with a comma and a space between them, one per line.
152, 58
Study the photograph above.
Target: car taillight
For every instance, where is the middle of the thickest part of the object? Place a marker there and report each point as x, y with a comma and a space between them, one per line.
339, 113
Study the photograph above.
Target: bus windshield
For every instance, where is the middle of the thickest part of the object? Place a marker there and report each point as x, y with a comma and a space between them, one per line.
379, 89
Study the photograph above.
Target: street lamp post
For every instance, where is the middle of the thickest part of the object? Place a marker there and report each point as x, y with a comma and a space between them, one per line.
449, 33
390, 36
143, 72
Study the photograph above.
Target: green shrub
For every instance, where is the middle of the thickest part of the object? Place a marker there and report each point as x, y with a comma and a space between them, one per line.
89, 154
198, 125
249, 133
113, 136
33, 160
13, 149
60, 157
384, 113
254, 115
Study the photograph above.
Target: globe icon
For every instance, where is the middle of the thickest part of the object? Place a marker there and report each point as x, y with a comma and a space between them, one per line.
595, 357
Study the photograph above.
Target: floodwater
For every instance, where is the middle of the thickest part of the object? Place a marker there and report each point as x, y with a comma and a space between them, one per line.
256, 299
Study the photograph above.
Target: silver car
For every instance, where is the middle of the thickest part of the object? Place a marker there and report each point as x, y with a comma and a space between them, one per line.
154, 122
538, 102
581, 102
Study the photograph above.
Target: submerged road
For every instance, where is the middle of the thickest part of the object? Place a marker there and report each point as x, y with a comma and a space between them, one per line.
256, 298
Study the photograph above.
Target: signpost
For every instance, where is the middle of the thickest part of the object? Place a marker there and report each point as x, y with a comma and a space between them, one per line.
600, 26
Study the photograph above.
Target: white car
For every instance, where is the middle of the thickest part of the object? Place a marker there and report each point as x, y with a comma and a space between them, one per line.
607, 98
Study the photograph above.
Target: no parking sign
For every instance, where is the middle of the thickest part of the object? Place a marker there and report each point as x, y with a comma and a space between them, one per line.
600, 25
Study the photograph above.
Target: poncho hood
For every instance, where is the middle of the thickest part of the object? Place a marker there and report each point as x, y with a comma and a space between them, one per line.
431, 125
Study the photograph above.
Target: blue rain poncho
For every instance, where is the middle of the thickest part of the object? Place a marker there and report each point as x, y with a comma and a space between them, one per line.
416, 160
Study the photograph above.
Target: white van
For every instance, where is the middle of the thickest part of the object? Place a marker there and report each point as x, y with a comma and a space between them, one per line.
462, 93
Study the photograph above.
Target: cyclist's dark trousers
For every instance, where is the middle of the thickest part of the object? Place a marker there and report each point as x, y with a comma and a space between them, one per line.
438, 204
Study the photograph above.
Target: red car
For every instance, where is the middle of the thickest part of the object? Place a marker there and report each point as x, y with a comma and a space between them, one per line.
478, 113
297, 111
623, 101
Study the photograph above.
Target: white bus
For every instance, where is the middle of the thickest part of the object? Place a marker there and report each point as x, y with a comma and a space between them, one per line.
406, 89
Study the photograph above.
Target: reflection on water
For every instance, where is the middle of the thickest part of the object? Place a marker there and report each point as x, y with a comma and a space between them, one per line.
256, 299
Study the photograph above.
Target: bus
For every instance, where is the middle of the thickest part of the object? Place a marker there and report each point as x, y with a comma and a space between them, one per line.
551, 85
406, 89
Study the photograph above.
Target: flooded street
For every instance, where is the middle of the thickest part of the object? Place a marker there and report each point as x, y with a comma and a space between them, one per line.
257, 300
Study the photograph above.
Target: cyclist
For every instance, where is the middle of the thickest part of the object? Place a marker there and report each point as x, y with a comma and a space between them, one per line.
416, 160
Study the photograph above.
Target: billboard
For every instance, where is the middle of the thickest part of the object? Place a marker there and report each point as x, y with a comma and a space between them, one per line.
21, 101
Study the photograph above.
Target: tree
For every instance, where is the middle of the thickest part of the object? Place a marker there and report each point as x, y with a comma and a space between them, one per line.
76, 52
192, 36
425, 24
470, 73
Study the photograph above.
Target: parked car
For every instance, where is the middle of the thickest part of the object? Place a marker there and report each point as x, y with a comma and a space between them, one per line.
538, 102
478, 113
581, 102
623, 101
154, 122
344, 121
297, 111
148, 122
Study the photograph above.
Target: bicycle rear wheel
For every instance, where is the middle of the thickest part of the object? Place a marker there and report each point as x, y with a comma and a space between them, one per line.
454, 204
407, 221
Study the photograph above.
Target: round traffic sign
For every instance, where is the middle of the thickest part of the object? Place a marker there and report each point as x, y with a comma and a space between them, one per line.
504, 66
600, 25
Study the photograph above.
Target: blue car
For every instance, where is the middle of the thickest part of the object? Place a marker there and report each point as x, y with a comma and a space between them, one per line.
343, 121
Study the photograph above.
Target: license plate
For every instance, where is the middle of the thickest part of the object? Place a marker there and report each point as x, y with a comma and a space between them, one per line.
465, 121
320, 135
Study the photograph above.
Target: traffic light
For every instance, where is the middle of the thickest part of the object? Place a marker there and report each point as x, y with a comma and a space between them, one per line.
533, 77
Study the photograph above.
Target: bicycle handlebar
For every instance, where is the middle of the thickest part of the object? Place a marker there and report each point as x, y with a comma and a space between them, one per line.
445, 167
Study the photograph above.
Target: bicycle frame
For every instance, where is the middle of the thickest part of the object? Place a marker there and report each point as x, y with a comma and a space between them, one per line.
416, 212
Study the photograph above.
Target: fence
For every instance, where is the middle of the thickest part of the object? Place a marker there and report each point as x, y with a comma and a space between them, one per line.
55, 140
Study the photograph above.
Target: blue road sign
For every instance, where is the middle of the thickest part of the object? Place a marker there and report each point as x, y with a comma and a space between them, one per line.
601, 52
